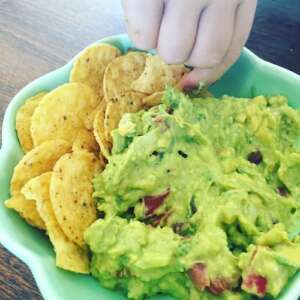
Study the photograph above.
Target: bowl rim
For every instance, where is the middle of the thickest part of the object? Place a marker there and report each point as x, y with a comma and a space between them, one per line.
29, 257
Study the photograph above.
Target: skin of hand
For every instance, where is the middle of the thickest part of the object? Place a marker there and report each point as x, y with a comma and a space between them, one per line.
207, 35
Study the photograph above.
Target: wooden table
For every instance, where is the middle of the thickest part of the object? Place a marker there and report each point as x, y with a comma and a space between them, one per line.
37, 36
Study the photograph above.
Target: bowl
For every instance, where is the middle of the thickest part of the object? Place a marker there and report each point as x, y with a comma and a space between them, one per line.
248, 77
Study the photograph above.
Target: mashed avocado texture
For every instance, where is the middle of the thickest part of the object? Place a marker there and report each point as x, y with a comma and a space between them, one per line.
201, 200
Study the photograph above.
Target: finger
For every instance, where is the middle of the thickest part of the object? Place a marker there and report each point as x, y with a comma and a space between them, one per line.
178, 30
142, 19
214, 34
243, 24
197, 75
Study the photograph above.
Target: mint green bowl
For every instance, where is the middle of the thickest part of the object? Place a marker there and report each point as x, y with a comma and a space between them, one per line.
250, 76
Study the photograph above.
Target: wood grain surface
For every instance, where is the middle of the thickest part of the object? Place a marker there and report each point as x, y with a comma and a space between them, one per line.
37, 36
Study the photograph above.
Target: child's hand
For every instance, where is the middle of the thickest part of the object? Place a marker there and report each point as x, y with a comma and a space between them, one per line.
206, 34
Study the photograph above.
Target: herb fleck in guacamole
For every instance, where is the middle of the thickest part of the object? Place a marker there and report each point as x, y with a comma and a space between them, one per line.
201, 200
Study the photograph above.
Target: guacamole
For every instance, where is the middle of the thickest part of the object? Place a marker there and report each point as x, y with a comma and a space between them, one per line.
200, 199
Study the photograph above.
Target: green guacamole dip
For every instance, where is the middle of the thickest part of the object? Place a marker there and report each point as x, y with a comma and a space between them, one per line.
201, 200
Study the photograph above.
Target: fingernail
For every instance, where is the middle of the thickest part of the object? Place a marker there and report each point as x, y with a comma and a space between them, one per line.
188, 88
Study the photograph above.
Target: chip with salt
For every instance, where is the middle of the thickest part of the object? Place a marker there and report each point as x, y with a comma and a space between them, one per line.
89, 121
99, 132
157, 75
120, 73
36, 162
69, 256
90, 65
27, 210
129, 103
23, 121
63, 112
85, 140
71, 193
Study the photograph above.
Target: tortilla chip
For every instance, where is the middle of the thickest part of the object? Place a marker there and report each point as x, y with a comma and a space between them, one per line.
89, 121
63, 112
89, 67
120, 73
71, 192
99, 132
157, 75
129, 103
69, 256
85, 140
27, 210
153, 100
23, 121
36, 162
